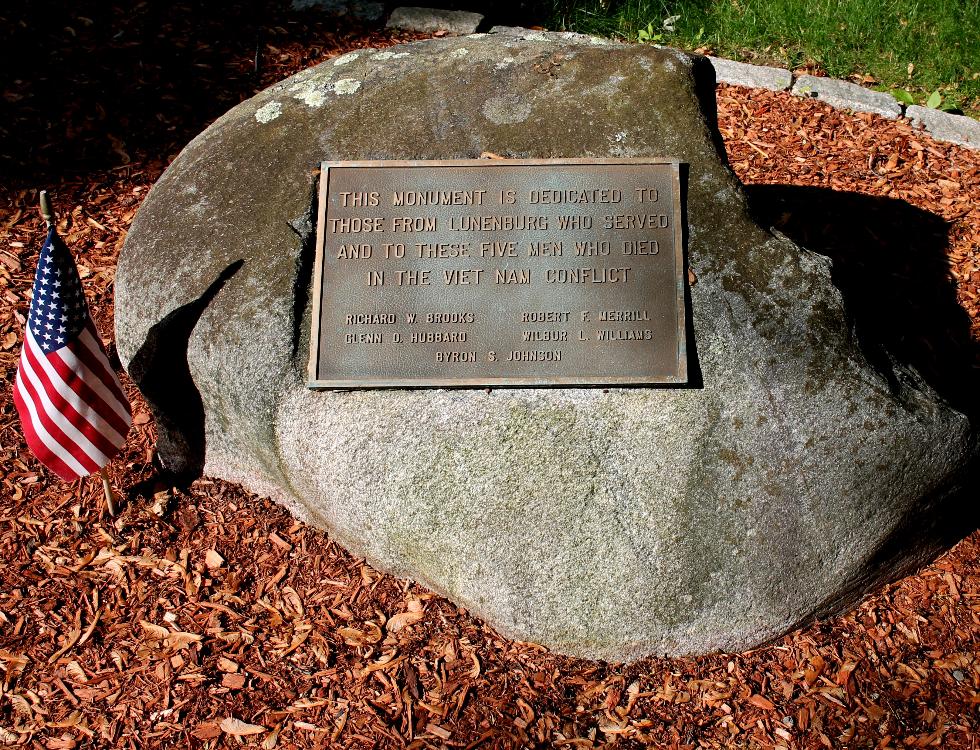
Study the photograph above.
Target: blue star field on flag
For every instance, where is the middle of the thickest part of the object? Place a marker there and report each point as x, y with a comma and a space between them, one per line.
58, 313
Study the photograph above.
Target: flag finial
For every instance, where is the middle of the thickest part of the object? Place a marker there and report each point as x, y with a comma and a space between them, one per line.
46, 211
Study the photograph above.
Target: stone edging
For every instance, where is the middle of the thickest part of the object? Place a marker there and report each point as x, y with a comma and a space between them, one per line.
943, 126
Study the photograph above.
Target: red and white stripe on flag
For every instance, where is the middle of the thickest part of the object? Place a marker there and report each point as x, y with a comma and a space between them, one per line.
73, 410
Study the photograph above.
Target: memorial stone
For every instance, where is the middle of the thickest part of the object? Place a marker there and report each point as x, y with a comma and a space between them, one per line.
788, 475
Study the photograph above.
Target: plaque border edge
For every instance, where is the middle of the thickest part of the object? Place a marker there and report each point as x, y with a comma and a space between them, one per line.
679, 231
321, 212
680, 378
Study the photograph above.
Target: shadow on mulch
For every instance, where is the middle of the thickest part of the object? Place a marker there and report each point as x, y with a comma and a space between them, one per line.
91, 85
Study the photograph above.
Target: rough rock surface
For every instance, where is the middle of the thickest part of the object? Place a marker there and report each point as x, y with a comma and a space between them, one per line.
608, 523
946, 126
844, 95
434, 19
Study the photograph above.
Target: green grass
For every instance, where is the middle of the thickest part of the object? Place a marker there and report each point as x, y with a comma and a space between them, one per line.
937, 40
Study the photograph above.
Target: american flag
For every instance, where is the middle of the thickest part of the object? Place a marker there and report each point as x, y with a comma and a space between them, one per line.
73, 410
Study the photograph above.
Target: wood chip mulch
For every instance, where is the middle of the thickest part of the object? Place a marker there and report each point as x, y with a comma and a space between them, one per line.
213, 619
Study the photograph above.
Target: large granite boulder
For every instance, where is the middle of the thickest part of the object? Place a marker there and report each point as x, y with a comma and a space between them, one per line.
795, 472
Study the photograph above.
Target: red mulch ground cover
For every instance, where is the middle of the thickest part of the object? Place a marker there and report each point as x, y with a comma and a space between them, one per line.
213, 619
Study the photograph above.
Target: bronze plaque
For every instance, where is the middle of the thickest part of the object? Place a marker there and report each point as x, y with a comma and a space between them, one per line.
467, 273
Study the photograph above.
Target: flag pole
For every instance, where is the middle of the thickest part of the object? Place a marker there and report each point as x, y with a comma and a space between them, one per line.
110, 497
47, 213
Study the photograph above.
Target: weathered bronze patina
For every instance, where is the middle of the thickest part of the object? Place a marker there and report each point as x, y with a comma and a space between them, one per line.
555, 272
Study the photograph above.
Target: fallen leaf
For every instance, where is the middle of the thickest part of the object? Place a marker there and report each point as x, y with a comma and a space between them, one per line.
180, 639
65, 742
387, 661
293, 601
239, 728
75, 671
762, 702
272, 738
403, 620
355, 637
154, 632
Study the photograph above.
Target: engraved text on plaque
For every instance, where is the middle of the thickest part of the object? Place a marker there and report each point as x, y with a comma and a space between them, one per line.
498, 273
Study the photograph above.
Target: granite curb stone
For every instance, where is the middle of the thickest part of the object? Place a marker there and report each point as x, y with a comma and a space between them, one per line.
844, 95
945, 126
434, 19
753, 76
